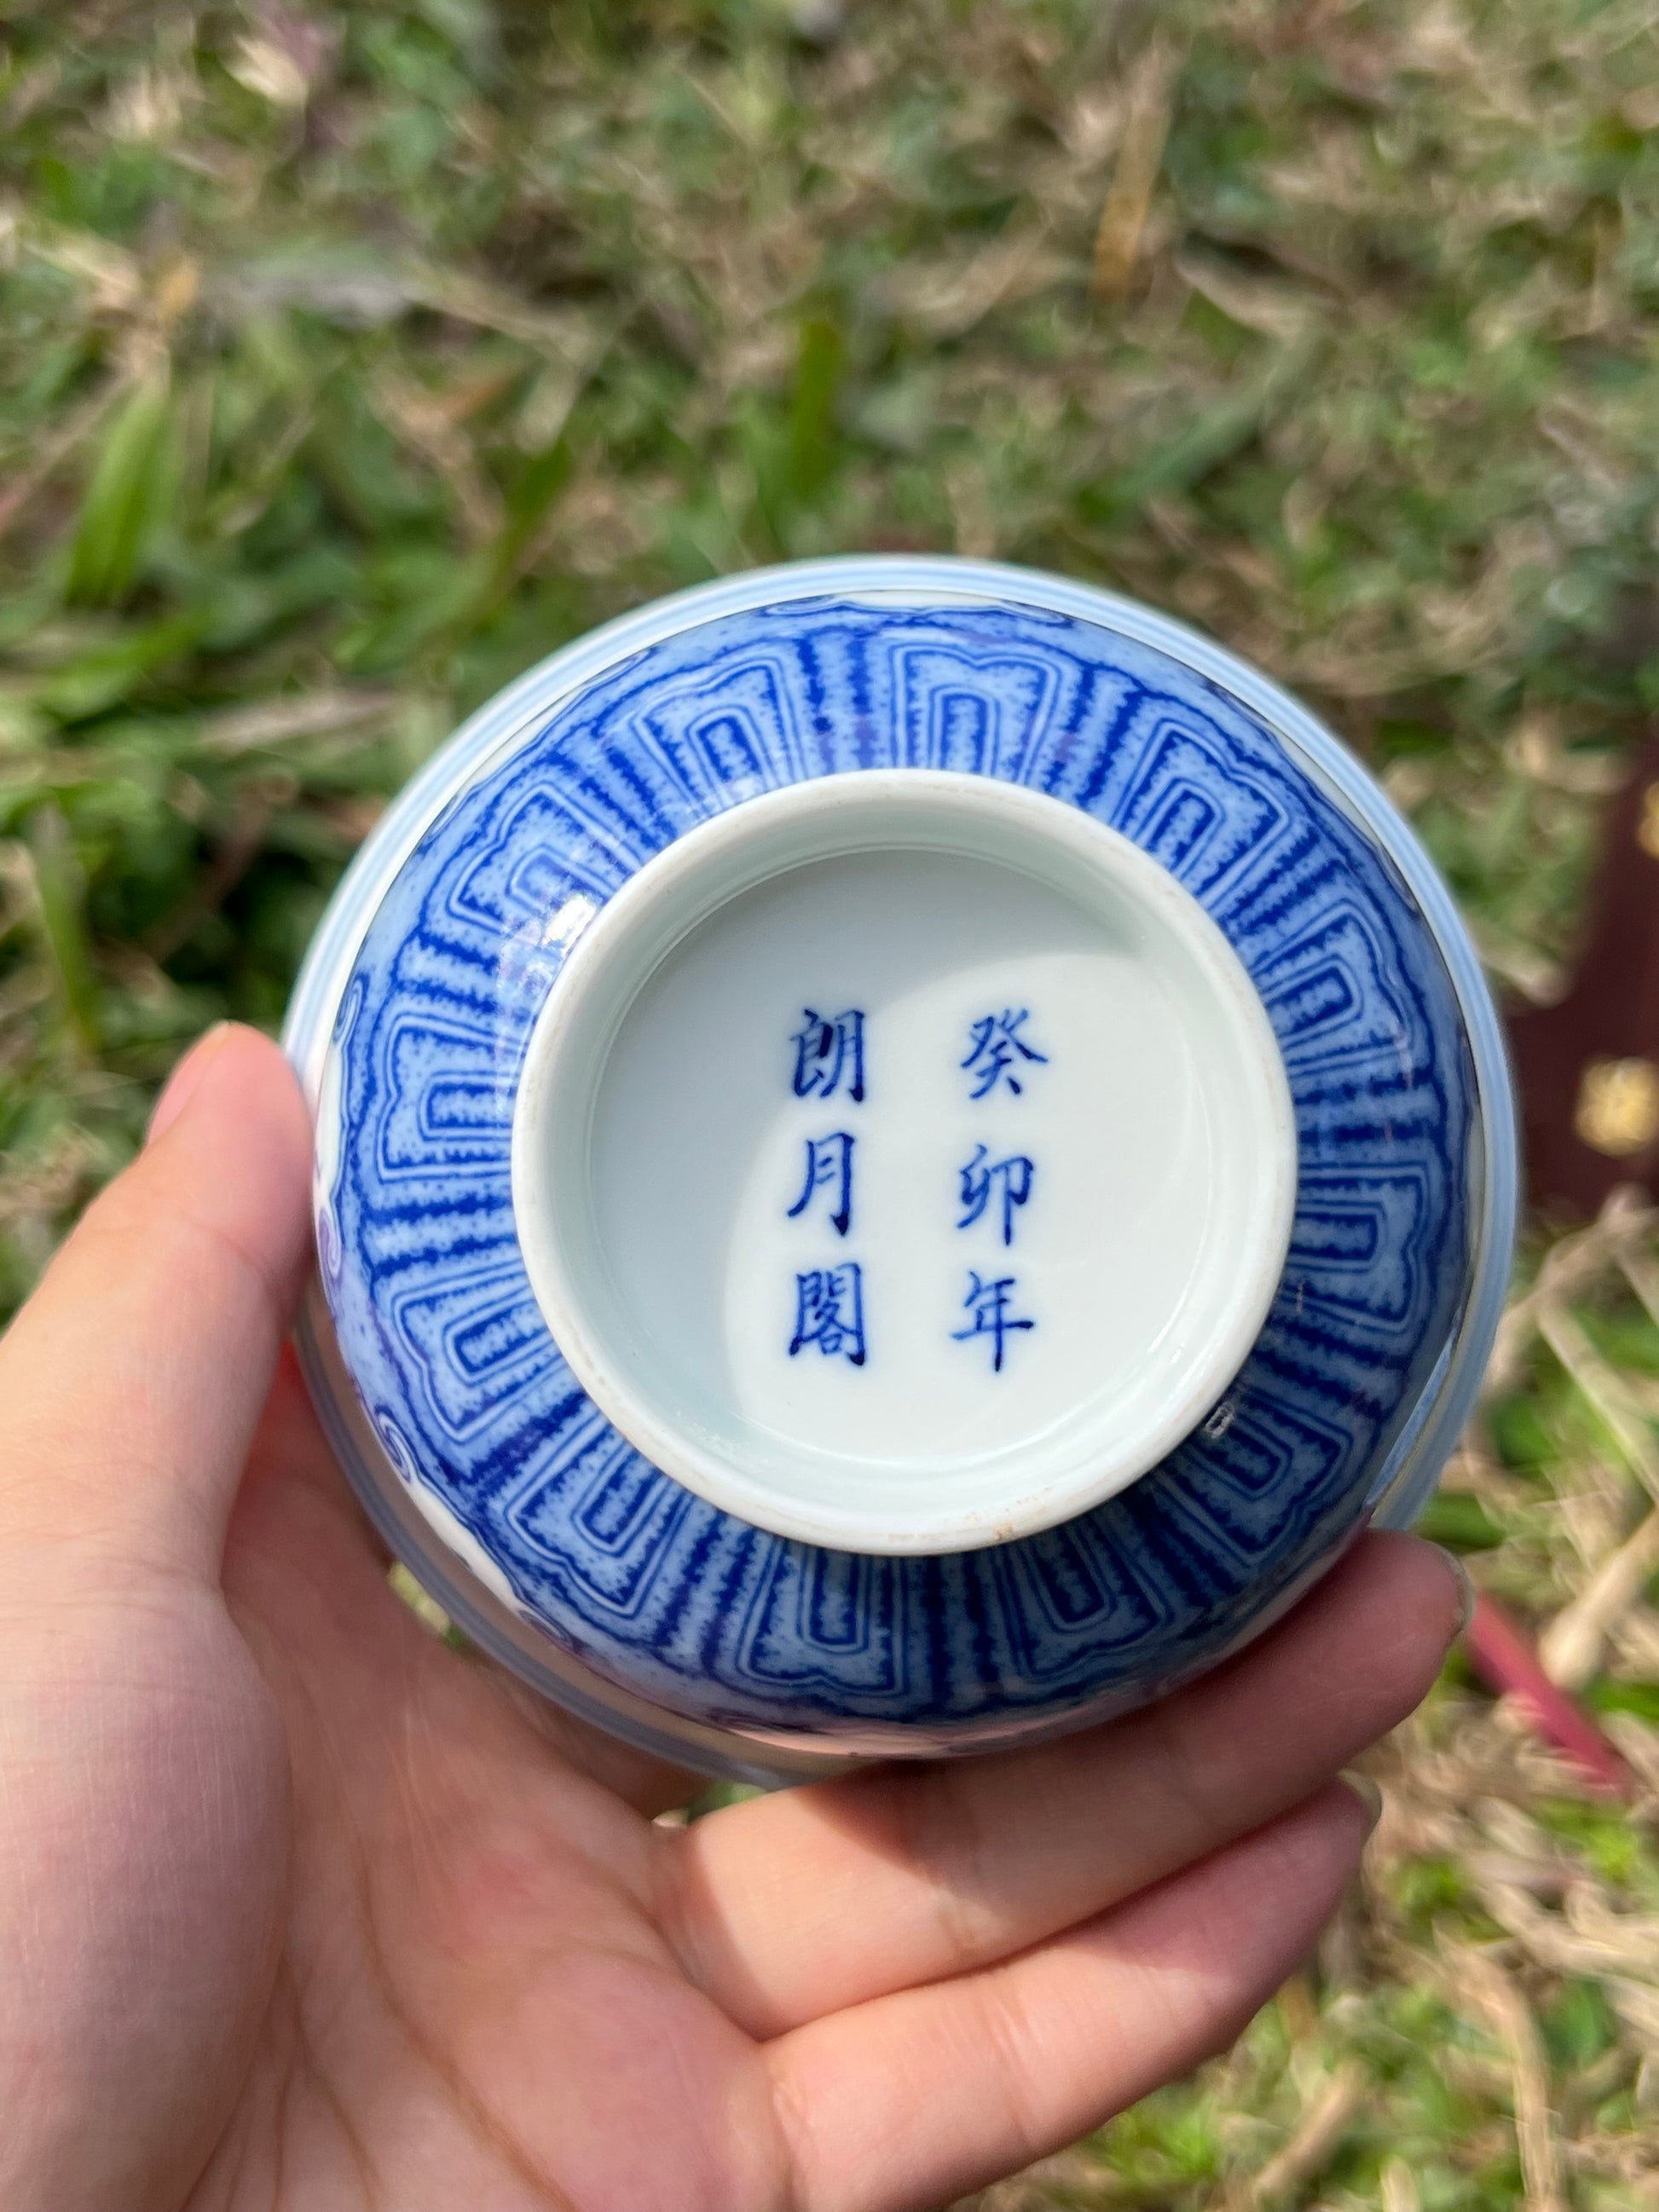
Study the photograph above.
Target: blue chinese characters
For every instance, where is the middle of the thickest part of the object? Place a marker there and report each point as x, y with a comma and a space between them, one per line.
995, 1050
989, 1303
830, 1300
829, 1312
829, 1168
1004, 1185
996, 1054
829, 1055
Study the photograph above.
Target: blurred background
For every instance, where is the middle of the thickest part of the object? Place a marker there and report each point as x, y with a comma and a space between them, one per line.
352, 359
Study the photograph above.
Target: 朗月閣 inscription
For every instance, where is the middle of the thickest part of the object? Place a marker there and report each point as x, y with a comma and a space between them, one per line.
993, 1186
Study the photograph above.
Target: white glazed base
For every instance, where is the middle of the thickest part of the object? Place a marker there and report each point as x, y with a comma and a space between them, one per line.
903, 1162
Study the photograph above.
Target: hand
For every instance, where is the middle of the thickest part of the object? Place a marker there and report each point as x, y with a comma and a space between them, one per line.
299, 1909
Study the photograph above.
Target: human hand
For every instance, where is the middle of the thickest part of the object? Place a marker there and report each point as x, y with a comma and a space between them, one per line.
302, 1910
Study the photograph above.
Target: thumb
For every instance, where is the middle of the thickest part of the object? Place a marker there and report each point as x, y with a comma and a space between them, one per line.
131, 1382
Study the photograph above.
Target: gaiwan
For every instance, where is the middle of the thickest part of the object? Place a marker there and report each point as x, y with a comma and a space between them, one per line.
906, 1151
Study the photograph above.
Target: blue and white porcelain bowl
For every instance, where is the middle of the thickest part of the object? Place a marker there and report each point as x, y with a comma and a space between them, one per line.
906, 1151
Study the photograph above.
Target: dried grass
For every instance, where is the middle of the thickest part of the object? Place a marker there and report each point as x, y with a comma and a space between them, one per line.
350, 362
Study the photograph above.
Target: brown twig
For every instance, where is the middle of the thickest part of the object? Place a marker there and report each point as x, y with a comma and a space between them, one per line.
1309, 2150
1508, 2017
310, 714
1571, 1647
1150, 102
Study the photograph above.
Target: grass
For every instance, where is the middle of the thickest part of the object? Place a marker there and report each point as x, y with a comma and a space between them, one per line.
350, 362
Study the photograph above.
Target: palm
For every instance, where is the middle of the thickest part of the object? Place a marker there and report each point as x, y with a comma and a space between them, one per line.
305, 1911
501, 1983
476, 2002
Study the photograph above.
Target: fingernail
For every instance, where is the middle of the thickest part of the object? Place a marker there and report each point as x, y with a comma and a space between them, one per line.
177, 1091
1368, 1792
1460, 1574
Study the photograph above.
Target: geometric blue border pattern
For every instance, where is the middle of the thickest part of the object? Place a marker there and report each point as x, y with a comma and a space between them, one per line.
644, 1582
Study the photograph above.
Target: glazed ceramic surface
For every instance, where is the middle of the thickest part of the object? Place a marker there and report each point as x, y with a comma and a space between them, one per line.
954, 1263
686, 1624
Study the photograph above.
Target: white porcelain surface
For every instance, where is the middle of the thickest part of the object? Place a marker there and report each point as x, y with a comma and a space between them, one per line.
940, 1275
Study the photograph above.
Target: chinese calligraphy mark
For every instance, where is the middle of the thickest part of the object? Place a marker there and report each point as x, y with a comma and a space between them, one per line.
1010, 1179
989, 1303
828, 1167
829, 1055
993, 1189
829, 1312
995, 1049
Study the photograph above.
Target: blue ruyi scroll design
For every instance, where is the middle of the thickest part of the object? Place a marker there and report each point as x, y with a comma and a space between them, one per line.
646, 1584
